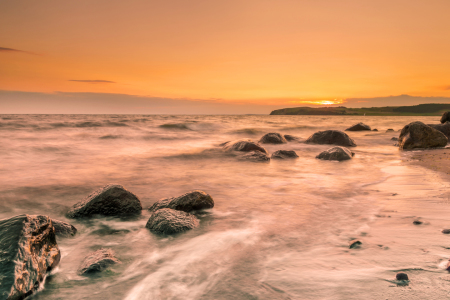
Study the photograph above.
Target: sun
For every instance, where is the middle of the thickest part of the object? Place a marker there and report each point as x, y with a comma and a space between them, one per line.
319, 102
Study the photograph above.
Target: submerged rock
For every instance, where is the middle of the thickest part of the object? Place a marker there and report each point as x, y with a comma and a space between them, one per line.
291, 138
401, 276
28, 251
256, 156
418, 135
358, 127
273, 138
336, 153
170, 221
111, 200
417, 222
446, 231
335, 137
97, 261
243, 146
394, 139
374, 129
390, 129
63, 228
445, 117
283, 154
190, 201
355, 244
444, 128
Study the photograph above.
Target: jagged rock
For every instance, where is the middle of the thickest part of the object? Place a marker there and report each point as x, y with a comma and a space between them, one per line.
354, 244
419, 135
358, 127
244, 146
401, 276
291, 138
282, 154
445, 117
336, 153
256, 156
335, 137
195, 200
97, 261
273, 138
63, 228
111, 200
28, 251
444, 128
170, 221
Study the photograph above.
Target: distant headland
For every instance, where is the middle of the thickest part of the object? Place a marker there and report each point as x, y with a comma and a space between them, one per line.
431, 109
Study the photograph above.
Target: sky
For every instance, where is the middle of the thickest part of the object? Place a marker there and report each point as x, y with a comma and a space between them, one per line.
230, 56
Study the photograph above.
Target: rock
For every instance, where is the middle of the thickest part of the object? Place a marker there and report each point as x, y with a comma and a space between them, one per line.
256, 156
97, 261
63, 228
374, 129
244, 146
354, 244
445, 231
111, 200
291, 138
283, 154
195, 200
419, 135
448, 266
394, 139
335, 137
445, 117
444, 128
28, 251
336, 153
417, 222
358, 127
170, 221
401, 276
390, 129
273, 138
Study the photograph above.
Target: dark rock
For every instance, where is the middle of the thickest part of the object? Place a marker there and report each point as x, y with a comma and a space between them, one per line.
190, 201
444, 128
419, 135
63, 228
335, 137
390, 129
256, 156
28, 251
111, 200
170, 221
374, 129
445, 117
282, 154
244, 146
97, 261
336, 153
273, 138
417, 222
358, 127
394, 139
291, 138
401, 276
354, 244
445, 231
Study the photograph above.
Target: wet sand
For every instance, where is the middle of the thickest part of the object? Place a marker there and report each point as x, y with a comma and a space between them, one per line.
434, 159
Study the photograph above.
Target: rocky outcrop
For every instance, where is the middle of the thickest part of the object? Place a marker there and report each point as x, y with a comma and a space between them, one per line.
445, 117
111, 200
358, 127
191, 201
28, 251
63, 228
283, 154
273, 138
336, 153
170, 221
97, 261
444, 128
418, 135
256, 156
335, 137
243, 146
291, 138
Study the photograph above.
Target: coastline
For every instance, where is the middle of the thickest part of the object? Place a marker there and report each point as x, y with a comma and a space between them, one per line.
433, 159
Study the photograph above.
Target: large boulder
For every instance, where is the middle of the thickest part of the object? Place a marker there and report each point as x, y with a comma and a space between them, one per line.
334, 137
418, 135
97, 261
445, 117
283, 154
170, 221
336, 153
28, 251
358, 127
63, 228
111, 200
243, 146
444, 128
273, 138
255, 156
195, 200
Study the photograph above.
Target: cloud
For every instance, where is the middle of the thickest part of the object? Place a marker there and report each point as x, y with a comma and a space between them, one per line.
93, 81
3, 49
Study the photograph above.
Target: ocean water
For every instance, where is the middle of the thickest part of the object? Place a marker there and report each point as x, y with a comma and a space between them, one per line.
279, 230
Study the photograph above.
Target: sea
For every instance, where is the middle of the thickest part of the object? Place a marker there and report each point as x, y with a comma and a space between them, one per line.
278, 230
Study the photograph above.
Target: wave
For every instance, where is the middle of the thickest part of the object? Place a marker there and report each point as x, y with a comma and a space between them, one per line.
179, 126
252, 131
110, 137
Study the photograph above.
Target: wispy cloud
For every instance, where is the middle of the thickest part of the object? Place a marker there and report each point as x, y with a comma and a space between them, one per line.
93, 81
446, 88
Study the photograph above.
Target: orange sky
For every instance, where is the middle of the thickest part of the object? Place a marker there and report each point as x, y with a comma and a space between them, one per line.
267, 52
